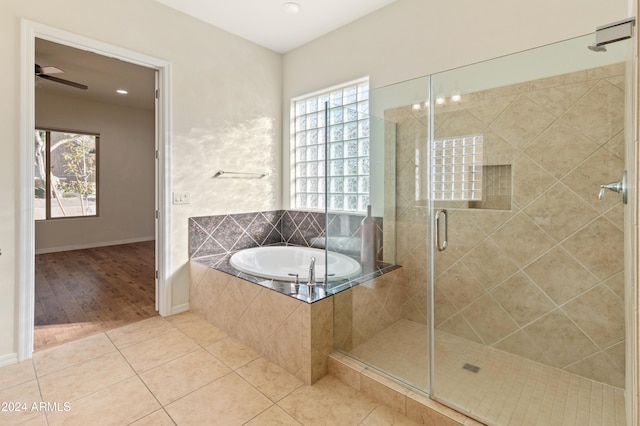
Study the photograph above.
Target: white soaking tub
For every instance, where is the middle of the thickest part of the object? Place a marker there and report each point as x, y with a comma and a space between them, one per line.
282, 263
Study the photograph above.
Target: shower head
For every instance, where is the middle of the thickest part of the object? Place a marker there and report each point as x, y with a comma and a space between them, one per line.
597, 48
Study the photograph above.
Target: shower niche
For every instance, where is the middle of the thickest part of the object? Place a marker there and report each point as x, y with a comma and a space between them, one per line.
496, 185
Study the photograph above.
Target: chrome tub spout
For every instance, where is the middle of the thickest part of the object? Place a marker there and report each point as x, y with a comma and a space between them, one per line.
312, 273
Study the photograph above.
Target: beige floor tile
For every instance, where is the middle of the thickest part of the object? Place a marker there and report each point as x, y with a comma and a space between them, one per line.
270, 379
82, 379
139, 332
274, 416
327, 402
200, 330
63, 356
227, 401
152, 353
20, 401
119, 404
157, 418
383, 416
183, 375
232, 352
15, 374
40, 420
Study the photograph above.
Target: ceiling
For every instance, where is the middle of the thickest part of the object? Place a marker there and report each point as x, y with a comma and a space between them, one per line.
103, 75
264, 22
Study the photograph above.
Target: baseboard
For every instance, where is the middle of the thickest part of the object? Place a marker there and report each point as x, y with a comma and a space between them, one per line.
93, 245
179, 309
8, 359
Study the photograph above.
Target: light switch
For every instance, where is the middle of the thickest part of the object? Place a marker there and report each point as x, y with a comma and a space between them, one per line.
181, 197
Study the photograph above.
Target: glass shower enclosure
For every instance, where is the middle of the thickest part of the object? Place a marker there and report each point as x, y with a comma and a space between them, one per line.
509, 300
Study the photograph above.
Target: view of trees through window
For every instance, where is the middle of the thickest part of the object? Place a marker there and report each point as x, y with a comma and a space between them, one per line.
68, 162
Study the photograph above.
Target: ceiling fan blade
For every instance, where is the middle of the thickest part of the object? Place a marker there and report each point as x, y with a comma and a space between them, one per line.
47, 70
67, 82
50, 70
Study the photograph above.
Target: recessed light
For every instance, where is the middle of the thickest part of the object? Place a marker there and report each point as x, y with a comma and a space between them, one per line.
122, 91
291, 8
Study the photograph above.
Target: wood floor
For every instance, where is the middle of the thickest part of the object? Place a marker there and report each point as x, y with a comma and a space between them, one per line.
83, 292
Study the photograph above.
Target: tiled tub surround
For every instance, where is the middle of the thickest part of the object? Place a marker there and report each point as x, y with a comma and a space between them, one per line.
289, 331
213, 239
543, 280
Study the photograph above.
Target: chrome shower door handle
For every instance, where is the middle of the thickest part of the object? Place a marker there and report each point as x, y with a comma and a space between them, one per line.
441, 237
619, 187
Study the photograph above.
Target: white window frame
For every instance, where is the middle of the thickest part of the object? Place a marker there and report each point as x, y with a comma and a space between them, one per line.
347, 130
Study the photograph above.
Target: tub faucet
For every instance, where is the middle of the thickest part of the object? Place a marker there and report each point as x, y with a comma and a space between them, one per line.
312, 273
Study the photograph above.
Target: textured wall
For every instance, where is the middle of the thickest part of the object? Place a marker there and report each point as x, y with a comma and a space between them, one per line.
544, 279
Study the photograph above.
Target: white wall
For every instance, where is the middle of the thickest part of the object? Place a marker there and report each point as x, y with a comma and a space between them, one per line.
226, 103
412, 38
126, 170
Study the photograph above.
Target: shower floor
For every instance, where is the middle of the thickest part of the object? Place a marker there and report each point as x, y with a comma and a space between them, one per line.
507, 390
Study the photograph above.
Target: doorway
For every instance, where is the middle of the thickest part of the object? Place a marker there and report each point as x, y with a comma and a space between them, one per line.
95, 262
30, 32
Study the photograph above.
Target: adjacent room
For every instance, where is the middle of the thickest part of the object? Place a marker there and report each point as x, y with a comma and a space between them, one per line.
94, 224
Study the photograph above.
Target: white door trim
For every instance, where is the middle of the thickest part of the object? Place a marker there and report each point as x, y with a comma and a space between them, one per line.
26, 245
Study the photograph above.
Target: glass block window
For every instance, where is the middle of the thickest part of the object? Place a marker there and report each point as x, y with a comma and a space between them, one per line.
330, 149
457, 168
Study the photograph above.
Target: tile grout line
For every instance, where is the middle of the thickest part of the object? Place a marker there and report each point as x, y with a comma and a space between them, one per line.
231, 371
137, 374
35, 372
162, 406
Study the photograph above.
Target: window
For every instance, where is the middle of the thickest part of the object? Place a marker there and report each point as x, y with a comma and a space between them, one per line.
457, 168
68, 161
330, 138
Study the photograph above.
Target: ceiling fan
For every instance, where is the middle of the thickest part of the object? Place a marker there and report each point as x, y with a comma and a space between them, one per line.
45, 72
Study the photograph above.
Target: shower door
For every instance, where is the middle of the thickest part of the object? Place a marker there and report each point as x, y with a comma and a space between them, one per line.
527, 263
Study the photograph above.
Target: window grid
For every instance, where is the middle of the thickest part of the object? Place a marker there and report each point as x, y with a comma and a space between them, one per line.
457, 168
331, 139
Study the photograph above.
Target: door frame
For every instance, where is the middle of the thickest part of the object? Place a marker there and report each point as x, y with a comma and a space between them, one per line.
26, 243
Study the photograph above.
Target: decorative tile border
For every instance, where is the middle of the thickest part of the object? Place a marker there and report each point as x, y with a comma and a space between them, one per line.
224, 234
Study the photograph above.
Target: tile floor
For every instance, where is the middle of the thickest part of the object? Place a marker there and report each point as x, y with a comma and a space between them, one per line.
507, 390
177, 370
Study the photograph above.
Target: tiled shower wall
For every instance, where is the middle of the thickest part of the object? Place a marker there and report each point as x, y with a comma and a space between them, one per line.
223, 234
543, 279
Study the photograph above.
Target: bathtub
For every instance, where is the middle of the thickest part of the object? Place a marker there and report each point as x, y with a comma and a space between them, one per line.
281, 263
